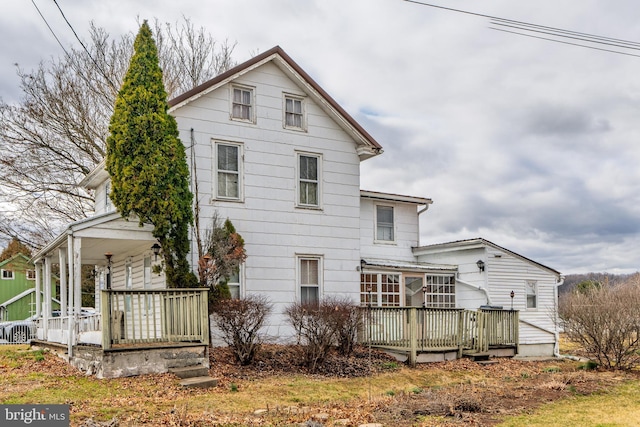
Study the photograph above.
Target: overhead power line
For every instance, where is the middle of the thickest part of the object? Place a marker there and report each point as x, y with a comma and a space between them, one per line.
557, 35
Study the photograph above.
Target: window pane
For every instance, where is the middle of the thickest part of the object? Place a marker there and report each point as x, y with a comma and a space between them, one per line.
227, 185
308, 168
309, 295
384, 228
309, 272
227, 157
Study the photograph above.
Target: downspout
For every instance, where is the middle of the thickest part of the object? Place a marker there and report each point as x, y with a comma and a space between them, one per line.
556, 347
474, 286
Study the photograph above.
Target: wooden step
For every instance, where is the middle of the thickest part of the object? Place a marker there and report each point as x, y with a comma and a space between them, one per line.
478, 357
199, 382
190, 371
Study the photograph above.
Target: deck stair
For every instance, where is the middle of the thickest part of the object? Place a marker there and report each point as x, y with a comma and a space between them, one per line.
194, 376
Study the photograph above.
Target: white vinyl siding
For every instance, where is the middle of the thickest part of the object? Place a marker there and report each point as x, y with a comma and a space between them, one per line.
385, 228
309, 172
228, 170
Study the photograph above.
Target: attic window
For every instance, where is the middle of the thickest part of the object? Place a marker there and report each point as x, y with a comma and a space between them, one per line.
7, 274
293, 112
242, 103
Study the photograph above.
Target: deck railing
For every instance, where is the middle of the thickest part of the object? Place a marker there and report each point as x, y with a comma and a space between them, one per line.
414, 329
154, 316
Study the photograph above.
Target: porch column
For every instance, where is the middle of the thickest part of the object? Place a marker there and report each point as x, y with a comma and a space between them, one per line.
77, 271
38, 266
46, 314
62, 257
70, 306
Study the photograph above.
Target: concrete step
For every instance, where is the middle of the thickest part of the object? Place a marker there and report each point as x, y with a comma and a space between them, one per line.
190, 371
478, 357
199, 382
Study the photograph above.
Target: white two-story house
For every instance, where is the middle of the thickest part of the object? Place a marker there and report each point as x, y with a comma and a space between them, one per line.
273, 152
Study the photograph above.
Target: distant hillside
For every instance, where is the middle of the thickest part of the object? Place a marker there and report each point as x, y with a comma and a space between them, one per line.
571, 280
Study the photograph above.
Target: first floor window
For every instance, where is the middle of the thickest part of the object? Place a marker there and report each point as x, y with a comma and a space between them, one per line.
384, 223
234, 284
440, 291
380, 290
309, 280
7, 274
532, 294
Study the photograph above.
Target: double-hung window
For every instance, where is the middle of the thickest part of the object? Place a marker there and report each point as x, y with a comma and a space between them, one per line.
309, 269
228, 170
233, 283
293, 112
309, 180
31, 274
242, 103
384, 224
7, 274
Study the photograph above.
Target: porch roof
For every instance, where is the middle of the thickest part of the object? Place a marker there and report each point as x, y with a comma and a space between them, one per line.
108, 232
414, 267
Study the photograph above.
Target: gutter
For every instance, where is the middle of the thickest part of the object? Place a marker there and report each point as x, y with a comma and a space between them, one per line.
556, 348
478, 287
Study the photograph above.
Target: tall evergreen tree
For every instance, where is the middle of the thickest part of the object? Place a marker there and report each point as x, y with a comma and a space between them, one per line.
15, 246
147, 161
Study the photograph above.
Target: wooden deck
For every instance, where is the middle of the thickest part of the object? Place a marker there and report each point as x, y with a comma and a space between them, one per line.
415, 330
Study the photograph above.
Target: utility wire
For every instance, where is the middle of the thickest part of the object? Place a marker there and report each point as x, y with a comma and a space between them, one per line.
113, 86
552, 31
49, 27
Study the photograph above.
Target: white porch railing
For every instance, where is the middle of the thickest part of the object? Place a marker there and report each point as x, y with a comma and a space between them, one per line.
139, 317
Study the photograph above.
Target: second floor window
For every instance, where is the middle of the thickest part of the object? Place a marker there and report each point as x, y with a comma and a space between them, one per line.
7, 274
532, 294
309, 181
242, 104
228, 171
384, 224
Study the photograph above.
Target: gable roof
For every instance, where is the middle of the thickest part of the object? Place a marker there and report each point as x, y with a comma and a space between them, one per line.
13, 258
367, 145
478, 243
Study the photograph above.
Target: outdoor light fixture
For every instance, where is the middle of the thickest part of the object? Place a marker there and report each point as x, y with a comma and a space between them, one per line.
424, 295
512, 294
480, 264
108, 256
156, 250
363, 263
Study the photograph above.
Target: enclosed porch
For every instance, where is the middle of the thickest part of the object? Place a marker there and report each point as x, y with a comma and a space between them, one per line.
420, 333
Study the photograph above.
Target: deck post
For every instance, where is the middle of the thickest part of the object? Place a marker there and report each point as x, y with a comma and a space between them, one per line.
413, 336
462, 326
105, 298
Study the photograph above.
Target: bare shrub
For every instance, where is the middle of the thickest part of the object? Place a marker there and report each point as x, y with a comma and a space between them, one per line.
240, 321
348, 322
315, 327
605, 322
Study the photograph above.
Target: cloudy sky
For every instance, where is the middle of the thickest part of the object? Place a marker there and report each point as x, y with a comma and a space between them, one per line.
528, 143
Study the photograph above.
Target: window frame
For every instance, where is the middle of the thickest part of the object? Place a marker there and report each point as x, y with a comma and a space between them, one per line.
236, 285
440, 299
381, 295
317, 181
7, 274
240, 172
377, 238
303, 115
251, 105
300, 285
531, 285
30, 274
